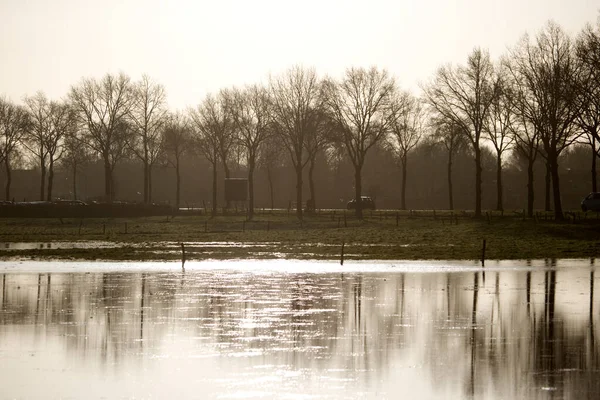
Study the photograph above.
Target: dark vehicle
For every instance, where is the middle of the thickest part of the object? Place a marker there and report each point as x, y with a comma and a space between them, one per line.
366, 202
591, 202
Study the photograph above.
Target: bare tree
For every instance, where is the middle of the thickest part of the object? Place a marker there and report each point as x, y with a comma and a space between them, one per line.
175, 142
103, 107
147, 113
526, 139
591, 141
15, 122
548, 71
227, 139
62, 122
296, 97
250, 109
50, 123
211, 121
453, 139
464, 96
588, 120
271, 160
498, 132
35, 139
321, 131
407, 129
75, 155
360, 105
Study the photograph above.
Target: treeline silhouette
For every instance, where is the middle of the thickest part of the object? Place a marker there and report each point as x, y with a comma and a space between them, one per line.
520, 132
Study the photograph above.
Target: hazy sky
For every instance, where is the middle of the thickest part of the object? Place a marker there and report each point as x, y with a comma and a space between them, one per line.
196, 47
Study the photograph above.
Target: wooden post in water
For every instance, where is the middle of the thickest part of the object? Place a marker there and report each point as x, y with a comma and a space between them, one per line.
483, 254
243, 226
397, 218
182, 255
205, 226
345, 221
342, 256
80, 223
104, 229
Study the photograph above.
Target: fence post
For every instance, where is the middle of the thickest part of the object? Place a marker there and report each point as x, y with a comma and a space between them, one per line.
182, 255
483, 254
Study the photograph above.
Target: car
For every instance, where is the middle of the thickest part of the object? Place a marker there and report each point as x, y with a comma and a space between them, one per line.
365, 201
591, 202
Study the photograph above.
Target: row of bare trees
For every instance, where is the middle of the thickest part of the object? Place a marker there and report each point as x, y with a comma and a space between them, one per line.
543, 96
538, 100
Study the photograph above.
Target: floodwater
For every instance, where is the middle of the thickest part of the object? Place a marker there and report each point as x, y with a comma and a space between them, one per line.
299, 330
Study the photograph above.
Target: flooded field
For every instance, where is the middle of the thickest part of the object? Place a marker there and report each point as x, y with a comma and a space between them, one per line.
299, 330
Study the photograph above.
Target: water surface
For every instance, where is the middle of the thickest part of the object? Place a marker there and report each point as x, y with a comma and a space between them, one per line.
299, 330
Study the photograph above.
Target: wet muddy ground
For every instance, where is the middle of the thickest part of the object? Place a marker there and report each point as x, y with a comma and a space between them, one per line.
299, 330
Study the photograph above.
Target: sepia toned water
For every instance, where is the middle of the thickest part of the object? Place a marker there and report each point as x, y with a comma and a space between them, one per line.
299, 330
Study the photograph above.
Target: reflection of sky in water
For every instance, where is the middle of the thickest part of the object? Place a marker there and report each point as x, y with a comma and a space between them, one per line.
299, 329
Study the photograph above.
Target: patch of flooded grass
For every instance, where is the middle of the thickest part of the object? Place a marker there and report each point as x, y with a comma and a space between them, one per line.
282, 236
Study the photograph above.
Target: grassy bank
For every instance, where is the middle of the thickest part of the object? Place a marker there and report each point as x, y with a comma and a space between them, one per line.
381, 235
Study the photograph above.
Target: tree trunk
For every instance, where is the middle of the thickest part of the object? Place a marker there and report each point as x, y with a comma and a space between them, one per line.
8, 177
178, 185
113, 186
553, 161
358, 190
299, 189
149, 183
530, 191
145, 182
594, 180
75, 182
50, 179
548, 182
107, 180
43, 179
271, 192
146, 172
250, 189
214, 190
227, 176
311, 181
450, 195
499, 202
477, 181
403, 190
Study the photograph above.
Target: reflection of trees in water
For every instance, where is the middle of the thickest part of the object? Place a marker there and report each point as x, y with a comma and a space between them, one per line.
506, 334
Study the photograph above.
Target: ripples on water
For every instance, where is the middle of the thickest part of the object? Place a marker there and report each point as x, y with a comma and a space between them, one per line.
299, 330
